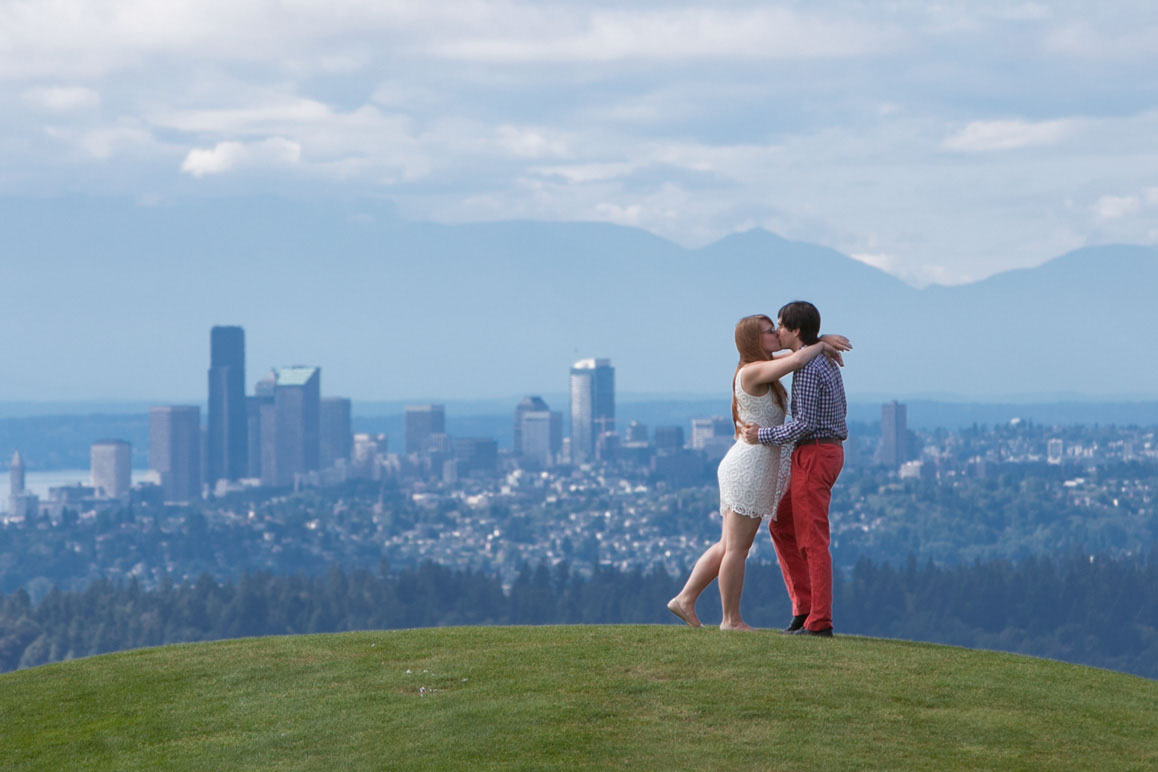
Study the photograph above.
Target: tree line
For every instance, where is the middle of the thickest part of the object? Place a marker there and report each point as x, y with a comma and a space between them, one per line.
1100, 611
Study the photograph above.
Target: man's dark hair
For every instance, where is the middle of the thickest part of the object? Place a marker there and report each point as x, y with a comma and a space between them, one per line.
802, 316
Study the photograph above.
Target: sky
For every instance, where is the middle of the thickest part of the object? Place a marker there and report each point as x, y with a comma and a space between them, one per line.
942, 142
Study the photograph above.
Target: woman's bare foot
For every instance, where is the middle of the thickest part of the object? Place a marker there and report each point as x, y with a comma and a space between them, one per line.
684, 613
742, 627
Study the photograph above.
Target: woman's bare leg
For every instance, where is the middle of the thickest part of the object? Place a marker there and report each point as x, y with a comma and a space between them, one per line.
739, 531
705, 570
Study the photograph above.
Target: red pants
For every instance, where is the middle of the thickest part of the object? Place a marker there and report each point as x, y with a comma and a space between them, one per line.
800, 532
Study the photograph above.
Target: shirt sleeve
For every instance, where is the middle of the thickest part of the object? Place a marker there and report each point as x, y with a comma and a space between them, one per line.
805, 406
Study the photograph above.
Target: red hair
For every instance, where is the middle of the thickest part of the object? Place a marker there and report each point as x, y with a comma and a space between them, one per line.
748, 332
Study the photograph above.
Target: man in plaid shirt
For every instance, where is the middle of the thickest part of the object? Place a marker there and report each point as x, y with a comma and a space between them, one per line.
817, 428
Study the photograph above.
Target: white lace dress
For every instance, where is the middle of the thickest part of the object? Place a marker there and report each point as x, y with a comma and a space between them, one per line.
754, 477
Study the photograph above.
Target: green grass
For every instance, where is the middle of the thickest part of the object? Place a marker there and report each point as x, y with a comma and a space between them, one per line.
638, 697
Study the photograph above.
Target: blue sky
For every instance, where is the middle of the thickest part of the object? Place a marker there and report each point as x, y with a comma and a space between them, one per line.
942, 142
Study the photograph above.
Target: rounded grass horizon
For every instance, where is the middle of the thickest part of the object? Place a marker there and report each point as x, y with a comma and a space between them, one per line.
574, 697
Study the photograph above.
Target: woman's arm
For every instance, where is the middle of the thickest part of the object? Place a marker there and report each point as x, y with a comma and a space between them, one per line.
759, 373
838, 342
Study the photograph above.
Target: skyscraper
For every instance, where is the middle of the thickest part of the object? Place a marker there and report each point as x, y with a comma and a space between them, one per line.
592, 405
335, 429
422, 421
291, 426
894, 447
16, 476
111, 462
175, 450
539, 433
22, 505
228, 450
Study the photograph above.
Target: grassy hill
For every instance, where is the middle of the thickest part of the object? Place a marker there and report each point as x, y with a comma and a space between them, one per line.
639, 697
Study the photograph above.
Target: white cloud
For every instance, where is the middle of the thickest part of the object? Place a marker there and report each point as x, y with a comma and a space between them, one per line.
104, 142
228, 156
63, 98
987, 136
690, 33
1114, 207
532, 143
1130, 40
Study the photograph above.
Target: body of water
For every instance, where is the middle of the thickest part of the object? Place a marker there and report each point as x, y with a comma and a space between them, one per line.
40, 482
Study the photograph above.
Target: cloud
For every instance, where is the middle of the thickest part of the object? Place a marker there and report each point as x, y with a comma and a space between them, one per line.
988, 136
689, 33
1114, 207
228, 156
1111, 42
104, 142
63, 98
532, 143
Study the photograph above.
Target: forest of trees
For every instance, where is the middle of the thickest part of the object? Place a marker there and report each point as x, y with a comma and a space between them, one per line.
1094, 611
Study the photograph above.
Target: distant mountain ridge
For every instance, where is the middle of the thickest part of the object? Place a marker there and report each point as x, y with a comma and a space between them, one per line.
107, 300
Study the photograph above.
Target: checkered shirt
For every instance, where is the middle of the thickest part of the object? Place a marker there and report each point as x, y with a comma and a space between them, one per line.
818, 406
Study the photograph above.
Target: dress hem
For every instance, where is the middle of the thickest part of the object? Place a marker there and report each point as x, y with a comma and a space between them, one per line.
746, 512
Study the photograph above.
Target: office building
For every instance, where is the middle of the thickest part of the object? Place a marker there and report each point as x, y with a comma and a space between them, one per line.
894, 448
706, 431
16, 476
423, 421
1054, 450
291, 426
22, 505
530, 404
175, 450
636, 433
336, 437
111, 462
669, 437
227, 451
592, 405
540, 437
476, 455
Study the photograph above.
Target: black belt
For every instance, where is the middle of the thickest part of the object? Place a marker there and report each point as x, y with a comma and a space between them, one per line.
821, 441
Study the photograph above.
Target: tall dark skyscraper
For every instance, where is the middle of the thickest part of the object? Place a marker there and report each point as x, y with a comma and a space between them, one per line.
337, 439
592, 405
228, 451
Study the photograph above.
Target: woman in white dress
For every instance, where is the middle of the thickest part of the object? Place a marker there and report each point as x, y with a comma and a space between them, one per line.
752, 477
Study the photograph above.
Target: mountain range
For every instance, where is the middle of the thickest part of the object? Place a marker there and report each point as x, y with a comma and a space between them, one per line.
109, 299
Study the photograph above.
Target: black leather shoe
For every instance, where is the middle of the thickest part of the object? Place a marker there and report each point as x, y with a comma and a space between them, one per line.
825, 633
797, 623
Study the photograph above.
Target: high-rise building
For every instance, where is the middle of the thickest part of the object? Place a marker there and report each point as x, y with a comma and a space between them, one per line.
478, 455
257, 406
336, 437
291, 426
894, 447
528, 404
636, 433
16, 494
592, 405
669, 437
541, 436
1054, 451
422, 421
111, 468
16, 475
228, 448
175, 450
709, 431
